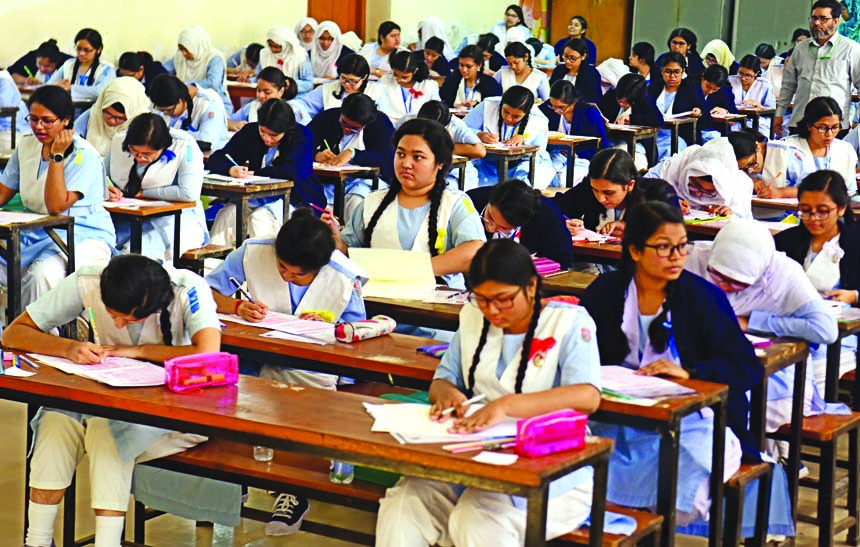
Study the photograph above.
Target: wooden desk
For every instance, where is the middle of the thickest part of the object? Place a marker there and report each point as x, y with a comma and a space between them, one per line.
459, 162
239, 90
665, 419
241, 194
11, 112
10, 251
780, 204
319, 422
674, 125
415, 312
504, 156
709, 229
834, 353
601, 253
136, 216
727, 120
755, 114
338, 175
568, 283
571, 142
633, 134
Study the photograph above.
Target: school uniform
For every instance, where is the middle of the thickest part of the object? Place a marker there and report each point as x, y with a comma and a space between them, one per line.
373, 147
399, 101
81, 88
208, 119
545, 235
42, 263
290, 160
421, 512
460, 134
487, 117
324, 61
10, 96
151, 71
113, 446
536, 82
126, 91
592, 49
580, 202
695, 65
722, 98
644, 113
324, 97
377, 60
28, 61
496, 63
440, 66
399, 228
586, 120
762, 92
454, 90
792, 159
587, 81
292, 60
208, 70
688, 96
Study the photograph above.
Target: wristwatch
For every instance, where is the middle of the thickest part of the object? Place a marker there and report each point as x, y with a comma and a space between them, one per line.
57, 158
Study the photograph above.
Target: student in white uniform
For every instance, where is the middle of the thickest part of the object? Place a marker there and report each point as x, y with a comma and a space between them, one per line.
56, 173
407, 87
353, 74
196, 110
305, 29
243, 64
521, 71
376, 53
271, 84
151, 161
514, 17
198, 63
488, 356
283, 51
327, 50
10, 96
432, 27
751, 90
119, 103
143, 311
417, 211
512, 119
85, 75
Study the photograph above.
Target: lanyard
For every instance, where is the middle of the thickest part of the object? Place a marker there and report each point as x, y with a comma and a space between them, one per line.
513, 131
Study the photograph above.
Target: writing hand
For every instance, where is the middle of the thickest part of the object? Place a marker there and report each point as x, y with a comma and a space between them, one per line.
489, 415
662, 366
848, 297
487, 138
324, 156
85, 353
516, 140
252, 311
451, 398
719, 210
114, 193
239, 172
574, 226
685, 206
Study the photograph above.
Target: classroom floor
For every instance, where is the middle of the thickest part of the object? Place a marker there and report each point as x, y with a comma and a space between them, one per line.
175, 532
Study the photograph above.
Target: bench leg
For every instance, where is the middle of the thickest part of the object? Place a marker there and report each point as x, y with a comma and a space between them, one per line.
734, 498
762, 515
69, 514
853, 498
139, 518
827, 494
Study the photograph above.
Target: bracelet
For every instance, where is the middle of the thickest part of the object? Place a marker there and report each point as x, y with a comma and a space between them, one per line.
236, 308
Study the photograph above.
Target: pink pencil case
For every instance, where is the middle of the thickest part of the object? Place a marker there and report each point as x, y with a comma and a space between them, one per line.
550, 433
201, 370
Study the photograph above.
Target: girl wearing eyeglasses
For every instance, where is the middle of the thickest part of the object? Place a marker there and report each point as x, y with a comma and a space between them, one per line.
753, 91
197, 110
328, 51
815, 147
285, 53
684, 41
827, 245
576, 70
528, 356
119, 103
56, 173
657, 319
85, 75
271, 84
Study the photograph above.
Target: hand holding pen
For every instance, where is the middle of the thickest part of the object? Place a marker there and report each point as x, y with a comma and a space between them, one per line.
454, 406
238, 171
248, 309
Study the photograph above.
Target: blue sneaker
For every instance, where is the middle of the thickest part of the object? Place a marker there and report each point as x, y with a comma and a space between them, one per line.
287, 515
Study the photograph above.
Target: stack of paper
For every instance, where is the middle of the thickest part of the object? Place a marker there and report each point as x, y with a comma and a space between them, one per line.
678, 116
347, 167
15, 217
590, 236
114, 371
622, 380
395, 273
411, 423
133, 202
250, 179
301, 330
447, 296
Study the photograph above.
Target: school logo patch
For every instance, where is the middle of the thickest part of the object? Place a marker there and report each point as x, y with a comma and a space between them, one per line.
193, 301
585, 332
211, 115
539, 349
356, 288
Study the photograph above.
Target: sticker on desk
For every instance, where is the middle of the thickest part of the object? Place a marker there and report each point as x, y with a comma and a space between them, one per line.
496, 458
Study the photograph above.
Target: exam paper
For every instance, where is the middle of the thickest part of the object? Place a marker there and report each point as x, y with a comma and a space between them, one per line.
394, 273
411, 422
318, 331
622, 380
15, 217
114, 371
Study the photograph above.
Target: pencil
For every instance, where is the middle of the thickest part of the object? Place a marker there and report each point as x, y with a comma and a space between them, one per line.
96, 337
326, 145
29, 361
473, 400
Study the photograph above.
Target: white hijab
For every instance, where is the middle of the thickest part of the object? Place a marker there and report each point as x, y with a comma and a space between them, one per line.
126, 91
302, 24
520, 34
292, 55
430, 27
717, 159
744, 251
324, 62
196, 41
351, 40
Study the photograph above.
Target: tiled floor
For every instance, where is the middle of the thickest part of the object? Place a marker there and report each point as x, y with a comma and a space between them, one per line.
168, 531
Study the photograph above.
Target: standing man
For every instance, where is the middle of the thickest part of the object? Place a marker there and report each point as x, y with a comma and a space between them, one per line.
826, 65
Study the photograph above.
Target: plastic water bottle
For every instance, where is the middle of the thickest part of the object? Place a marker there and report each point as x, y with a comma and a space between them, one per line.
263, 454
341, 472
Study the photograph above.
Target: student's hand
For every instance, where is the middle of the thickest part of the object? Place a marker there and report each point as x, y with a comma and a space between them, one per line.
114, 193
329, 218
341, 159
62, 141
752, 104
65, 84
311, 316
235, 126
452, 397
719, 112
614, 228
777, 127
32, 81
239, 172
487, 138
489, 72
252, 311
574, 225
324, 156
744, 322
132, 352
489, 415
696, 112
516, 140
848, 297
85, 353
719, 210
685, 206
662, 366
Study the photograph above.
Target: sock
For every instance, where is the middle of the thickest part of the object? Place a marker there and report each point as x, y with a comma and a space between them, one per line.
41, 530
109, 531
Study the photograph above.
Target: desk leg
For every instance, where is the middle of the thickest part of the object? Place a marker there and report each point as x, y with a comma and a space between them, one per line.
771, 129
758, 412
667, 487
70, 245
536, 517
571, 165
461, 178
831, 376
340, 198
13, 276
598, 502
241, 221
795, 436
177, 234
31, 413
286, 205
532, 163
14, 129
375, 184
674, 145
718, 463
136, 241
502, 169
755, 123
631, 145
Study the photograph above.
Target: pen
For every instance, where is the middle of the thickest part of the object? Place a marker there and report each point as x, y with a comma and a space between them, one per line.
326, 145
29, 361
96, 337
617, 395
242, 291
560, 272
473, 400
29, 72
229, 157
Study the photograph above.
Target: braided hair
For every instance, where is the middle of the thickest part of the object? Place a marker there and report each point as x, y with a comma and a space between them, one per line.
95, 39
167, 90
147, 129
355, 65
520, 98
442, 146
505, 261
436, 111
138, 286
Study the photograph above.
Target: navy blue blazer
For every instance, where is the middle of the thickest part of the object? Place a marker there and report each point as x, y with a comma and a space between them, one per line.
28, 60
592, 50
695, 65
645, 112
545, 235
722, 98
294, 161
688, 97
586, 121
487, 85
378, 136
795, 242
440, 65
587, 81
710, 342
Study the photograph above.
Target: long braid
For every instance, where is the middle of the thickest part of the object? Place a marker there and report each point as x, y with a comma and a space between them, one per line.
75, 71
189, 110
470, 385
93, 68
527, 341
393, 190
433, 220
521, 128
164, 323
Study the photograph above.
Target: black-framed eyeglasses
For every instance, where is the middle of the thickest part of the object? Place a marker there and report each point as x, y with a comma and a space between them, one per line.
817, 19
500, 302
46, 122
823, 129
819, 214
664, 250
572, 58
668, 72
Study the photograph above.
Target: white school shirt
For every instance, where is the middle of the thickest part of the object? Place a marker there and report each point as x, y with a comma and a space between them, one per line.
208, 119
400, 101
536, 82
105, 72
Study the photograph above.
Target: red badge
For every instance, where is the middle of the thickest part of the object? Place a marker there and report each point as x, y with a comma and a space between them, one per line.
585, 332
539, 348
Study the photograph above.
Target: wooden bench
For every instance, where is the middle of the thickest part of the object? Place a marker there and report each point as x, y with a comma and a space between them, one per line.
647, 531
193, 259
735, 492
